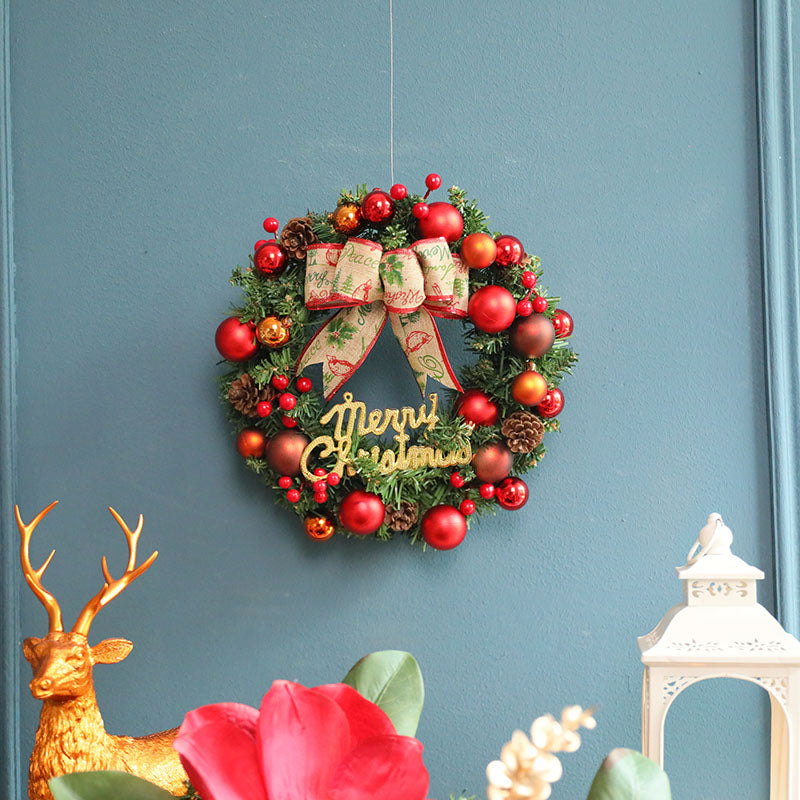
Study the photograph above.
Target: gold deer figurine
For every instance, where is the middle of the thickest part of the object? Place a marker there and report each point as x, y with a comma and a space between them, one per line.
71, 736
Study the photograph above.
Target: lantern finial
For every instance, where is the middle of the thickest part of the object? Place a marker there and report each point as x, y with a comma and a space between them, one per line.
715, 538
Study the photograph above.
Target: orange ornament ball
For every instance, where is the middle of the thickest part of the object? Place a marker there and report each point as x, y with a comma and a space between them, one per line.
251, 443
319, 528
478, 250
529, 388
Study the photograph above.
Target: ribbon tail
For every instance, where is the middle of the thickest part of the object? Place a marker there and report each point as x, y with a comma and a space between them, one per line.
419, 337
342, 344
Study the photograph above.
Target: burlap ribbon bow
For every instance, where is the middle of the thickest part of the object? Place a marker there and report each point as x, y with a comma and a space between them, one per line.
409, 286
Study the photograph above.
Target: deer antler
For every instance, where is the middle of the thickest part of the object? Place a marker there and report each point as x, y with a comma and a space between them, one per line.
112, 587
34, 576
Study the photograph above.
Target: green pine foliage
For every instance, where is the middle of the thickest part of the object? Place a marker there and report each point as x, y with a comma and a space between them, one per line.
493, 370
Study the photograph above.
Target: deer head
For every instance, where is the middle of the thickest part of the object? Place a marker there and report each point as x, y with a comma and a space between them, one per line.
62, 661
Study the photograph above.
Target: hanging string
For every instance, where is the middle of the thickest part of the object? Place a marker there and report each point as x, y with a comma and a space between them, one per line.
391, 91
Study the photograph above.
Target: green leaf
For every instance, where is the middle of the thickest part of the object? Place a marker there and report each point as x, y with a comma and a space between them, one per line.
628, 775
392, 680
105, 786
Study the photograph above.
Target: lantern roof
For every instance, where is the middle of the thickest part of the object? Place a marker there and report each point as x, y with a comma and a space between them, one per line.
720, 619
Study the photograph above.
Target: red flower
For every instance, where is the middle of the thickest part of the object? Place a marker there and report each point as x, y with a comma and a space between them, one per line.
327, 743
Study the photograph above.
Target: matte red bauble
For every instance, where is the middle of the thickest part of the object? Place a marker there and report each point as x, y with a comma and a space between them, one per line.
492, 308
476, 407
444, 527
529, 388
377, 207
478, 250
492, 462
563, 324
284, 450
362, 512
532, 336
251, 442
552, 405
509, 250
512, 493
270, 259
442, 219
235, 340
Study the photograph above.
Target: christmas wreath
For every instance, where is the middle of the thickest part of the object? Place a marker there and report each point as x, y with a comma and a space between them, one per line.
393, 256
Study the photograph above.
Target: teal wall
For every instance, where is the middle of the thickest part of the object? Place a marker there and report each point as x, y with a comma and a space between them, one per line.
617, 139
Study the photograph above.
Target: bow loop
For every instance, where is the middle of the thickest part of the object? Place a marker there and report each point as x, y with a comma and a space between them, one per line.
408, 285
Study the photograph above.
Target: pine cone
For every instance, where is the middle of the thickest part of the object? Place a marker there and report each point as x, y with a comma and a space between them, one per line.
296, 236
244, 395
402, 517
523, 431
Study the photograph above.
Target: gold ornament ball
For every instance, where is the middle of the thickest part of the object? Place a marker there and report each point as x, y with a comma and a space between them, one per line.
319, 528
273, 331
347, 219
284, 451
529, 388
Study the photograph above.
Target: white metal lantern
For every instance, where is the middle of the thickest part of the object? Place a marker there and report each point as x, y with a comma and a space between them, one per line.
720, 630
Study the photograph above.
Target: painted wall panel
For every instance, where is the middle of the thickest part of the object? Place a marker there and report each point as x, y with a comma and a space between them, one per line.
618, 140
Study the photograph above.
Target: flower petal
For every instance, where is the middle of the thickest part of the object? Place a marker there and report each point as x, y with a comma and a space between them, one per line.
246, 717
388, 767
365, 718
302, 736
221, 761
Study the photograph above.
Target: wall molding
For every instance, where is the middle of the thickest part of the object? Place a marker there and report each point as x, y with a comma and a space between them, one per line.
10, 778
781, 281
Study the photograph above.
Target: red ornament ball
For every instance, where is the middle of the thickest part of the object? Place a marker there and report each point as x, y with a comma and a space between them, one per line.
304, 385
529, 388
444, 527
487, 491
280, 382
442, 219
398, 191
492, 309
361, 512
492, 462
287, 401
334, 478
284, 482
563, 323
478, 250
457, 480
524, 308
270, 225
284, 451
235, 340
528, 279
377, 207
433, 181
420, 210
509, 250
264, 408
467, 508
293, 496
539, 304
552, 405
270, 259
251, 443
512, 494
532, 336
476, 407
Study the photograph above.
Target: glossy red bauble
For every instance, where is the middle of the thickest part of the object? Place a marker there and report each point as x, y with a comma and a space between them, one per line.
563, 324
492, 462
420, 210
270, 225
478, 250
487, 491
476, 407
492, 309
552, 405
512, 494
444, 527
270, 259
509, 250
398, 191
362, 512
377, 207
280, 382
467, 507
251, 443
433, 181
524, 308
236, 341
528, 279
532, 336
442, 219
284, 451
539, 304
529, 388
264, 408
